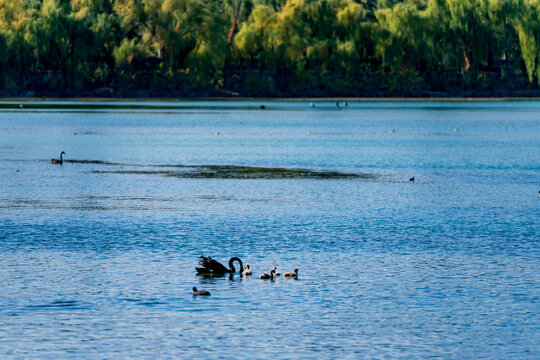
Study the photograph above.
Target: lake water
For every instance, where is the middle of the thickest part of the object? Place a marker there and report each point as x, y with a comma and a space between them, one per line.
97, 256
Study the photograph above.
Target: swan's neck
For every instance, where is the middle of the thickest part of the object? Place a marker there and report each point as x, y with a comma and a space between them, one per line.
231, 264
61, 161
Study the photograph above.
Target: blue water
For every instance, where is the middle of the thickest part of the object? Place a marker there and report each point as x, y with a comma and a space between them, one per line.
97, 256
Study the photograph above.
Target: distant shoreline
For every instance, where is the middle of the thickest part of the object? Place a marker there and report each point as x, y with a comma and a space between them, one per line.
291, 99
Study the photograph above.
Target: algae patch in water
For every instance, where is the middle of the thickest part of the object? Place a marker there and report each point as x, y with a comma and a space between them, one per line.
236, 172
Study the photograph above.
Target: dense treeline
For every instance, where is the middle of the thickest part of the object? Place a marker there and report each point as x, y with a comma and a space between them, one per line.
269, 47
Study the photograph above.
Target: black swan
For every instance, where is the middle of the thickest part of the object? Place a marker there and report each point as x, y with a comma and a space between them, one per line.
200, 293
211, 267
58, 161
292, 274
266, 276
247, 271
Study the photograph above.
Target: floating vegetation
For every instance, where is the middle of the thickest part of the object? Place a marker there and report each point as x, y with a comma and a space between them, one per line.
237, 172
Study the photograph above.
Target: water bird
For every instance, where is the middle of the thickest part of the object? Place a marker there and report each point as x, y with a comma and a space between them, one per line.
200, 292
212, 268
266, 276
21, 106
58, 161
337, 104
247, 271
308, 132
456, 129
392, 131
292, 274
262, 107
411, 179
216, 133
276, 273
312, 105
346, 103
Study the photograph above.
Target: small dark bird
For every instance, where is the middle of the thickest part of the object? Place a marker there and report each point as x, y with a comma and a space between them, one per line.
411, 179
337, 104
200, 293
58, 161
266, 276
263, 107
292, 274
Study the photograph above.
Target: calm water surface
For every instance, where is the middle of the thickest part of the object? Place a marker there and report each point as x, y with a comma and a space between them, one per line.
97, 256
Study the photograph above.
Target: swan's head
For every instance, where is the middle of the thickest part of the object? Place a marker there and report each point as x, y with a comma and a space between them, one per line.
63, 153
296, 271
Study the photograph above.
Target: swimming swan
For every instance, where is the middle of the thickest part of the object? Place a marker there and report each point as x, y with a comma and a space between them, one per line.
213, 268
265, 276
200, 293
57, 161
247, 271
292, 274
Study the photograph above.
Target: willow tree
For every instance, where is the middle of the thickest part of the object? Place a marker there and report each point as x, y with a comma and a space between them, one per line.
469, 23
401, 42
17, 56
527, 25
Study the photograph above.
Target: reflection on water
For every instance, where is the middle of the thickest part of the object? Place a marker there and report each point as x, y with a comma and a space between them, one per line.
98, 256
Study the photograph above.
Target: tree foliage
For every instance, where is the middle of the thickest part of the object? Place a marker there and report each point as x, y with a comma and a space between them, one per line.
267, 47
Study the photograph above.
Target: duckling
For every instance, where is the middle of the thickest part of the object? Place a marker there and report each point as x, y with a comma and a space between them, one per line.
292, 274
247, 271
265, 276
276, 273
200, 293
